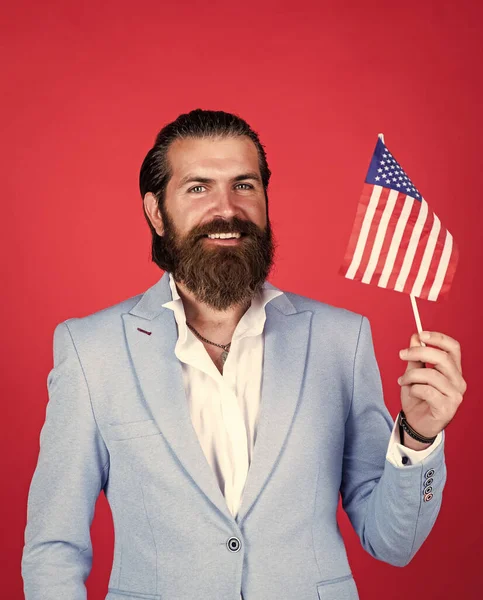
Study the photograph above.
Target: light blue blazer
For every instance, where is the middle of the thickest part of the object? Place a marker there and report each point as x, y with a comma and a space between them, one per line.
117, 420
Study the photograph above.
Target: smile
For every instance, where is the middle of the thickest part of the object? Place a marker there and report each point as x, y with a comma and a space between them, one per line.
225, 239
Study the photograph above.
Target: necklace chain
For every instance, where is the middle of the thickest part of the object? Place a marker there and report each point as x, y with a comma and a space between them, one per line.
225, 347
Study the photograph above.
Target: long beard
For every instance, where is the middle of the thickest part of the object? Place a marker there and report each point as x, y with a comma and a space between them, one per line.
221, 276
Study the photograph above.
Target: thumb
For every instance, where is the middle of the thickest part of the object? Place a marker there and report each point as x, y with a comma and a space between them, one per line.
414, 364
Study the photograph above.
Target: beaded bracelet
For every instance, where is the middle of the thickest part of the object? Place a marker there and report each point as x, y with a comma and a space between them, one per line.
404, 426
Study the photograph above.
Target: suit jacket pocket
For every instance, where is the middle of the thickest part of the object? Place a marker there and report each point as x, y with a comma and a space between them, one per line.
134, 429
342, 588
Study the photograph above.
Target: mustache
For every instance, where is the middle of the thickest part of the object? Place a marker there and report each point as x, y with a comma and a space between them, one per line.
234, 224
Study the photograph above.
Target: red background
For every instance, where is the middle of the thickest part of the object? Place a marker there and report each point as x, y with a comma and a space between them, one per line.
86, 88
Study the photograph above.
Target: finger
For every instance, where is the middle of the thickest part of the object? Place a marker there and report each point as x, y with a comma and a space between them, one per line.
446, 343
441, 360
414, 342
438, 401
430, 377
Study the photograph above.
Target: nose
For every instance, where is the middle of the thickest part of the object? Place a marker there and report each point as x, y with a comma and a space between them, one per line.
226, 205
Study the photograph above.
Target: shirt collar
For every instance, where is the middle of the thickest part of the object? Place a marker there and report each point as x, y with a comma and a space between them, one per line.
251, 323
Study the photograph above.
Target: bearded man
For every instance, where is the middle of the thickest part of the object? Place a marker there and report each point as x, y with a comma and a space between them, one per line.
222, 416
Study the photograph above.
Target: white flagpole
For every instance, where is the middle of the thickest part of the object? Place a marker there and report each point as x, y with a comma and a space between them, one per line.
416, 316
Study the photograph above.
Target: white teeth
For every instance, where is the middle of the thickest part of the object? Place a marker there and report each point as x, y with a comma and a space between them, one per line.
224, 236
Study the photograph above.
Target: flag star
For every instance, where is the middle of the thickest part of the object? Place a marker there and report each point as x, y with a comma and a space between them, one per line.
417, 195
379, 170
377, 178
398, 184
384, 155
394, 179
400, 178
382, 162
386, 168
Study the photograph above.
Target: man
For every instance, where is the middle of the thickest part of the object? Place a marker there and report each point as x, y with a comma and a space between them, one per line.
222, 416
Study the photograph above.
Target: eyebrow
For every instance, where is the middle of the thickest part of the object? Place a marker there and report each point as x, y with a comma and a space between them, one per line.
195, 178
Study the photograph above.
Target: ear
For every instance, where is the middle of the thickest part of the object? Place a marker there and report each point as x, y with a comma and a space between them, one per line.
154, 214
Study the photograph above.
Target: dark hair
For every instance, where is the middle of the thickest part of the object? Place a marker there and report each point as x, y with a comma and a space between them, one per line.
156, 172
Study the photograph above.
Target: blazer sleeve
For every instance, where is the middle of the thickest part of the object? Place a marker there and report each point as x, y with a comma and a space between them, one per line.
392, 508
71, 470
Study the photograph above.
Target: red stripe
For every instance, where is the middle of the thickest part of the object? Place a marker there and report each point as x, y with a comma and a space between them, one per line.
403, 244
438, 251
418, 256
453, 262
372, 234
356, 228
391, 228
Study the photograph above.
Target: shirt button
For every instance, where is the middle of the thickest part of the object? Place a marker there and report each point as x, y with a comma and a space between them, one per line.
233, 544
405, 460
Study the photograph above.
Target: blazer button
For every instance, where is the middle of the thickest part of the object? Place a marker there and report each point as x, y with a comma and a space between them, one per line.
428, 489
428, 481
429, 473
233, 544
428, 497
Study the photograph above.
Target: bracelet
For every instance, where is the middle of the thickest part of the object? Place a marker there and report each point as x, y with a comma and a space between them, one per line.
404, 426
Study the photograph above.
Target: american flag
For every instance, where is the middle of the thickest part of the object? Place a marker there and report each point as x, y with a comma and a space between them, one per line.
397, 242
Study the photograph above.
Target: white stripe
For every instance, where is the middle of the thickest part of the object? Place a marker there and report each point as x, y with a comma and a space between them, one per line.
396, 240
412, 246
380, 235
364, 232
442, 267
427, 257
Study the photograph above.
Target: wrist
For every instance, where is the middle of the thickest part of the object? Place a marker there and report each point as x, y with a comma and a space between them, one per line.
411, 438
408, 442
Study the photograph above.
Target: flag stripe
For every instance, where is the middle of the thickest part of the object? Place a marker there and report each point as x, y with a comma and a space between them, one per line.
453, 262
442, 267
379, 240
356, 228
406, 237
418, 256
427, 256
364, 232
396, 241
412, 247
433, 267
371, 236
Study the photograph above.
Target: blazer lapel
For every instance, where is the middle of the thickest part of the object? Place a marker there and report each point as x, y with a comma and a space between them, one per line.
285, 351
161, 380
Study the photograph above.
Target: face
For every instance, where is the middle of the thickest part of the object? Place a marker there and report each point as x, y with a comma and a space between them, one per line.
216, 189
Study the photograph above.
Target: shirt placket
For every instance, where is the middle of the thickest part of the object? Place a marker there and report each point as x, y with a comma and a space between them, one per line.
236, 436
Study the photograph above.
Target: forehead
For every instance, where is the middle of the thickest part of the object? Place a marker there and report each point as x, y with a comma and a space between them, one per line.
225, 155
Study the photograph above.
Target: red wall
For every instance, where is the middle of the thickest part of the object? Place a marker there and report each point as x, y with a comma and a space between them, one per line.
87, 88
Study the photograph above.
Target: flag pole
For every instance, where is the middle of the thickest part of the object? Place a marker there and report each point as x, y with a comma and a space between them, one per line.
416, 316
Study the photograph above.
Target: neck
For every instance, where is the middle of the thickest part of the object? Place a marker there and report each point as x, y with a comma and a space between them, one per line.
201, 314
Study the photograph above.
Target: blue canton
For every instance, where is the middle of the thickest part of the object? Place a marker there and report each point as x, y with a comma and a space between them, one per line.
386, 171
